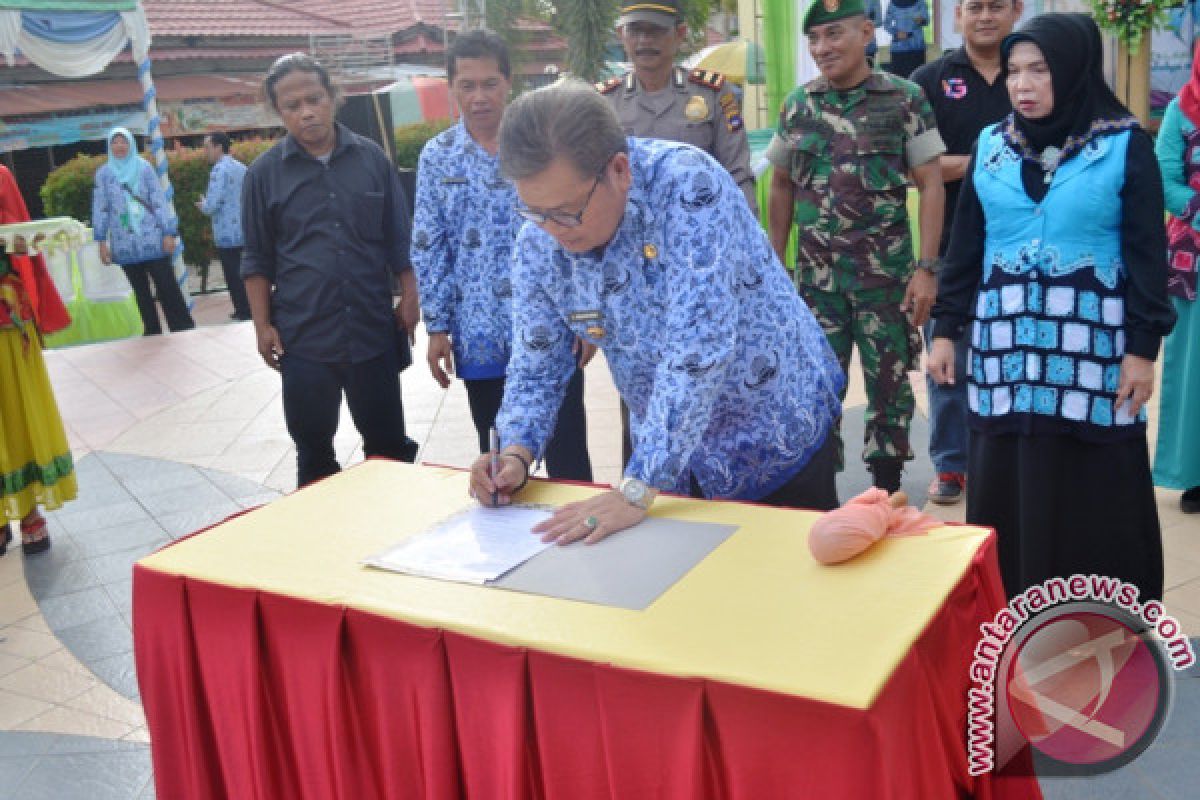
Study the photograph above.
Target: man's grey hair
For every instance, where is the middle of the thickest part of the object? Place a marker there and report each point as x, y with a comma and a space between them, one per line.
567, 119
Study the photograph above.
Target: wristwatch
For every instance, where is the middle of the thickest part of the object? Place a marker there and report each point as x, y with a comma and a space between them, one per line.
636, 493
930, 265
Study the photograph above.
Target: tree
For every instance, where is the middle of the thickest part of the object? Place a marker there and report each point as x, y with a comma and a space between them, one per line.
588, 26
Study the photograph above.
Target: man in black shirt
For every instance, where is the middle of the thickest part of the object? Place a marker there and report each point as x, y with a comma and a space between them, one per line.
967, 95
326, 229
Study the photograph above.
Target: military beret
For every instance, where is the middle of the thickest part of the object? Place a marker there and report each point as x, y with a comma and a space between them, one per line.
822, 12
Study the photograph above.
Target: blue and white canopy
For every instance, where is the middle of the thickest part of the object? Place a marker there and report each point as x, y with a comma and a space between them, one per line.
64, 40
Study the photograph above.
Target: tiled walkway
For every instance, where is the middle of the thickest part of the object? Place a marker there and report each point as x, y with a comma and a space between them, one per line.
172, 433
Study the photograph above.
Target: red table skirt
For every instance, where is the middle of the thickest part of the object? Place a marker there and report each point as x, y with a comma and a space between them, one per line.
253, 695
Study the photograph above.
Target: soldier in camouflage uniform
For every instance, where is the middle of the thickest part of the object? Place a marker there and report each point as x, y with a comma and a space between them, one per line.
846, 147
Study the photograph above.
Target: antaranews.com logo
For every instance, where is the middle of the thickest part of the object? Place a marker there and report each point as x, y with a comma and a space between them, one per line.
1078, 669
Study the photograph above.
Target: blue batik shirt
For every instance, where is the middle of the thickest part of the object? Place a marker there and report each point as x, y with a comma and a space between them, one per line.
223, 201
111, 219
462, 241
726, 373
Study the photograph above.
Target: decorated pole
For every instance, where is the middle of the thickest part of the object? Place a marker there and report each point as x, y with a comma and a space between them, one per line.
1131, 23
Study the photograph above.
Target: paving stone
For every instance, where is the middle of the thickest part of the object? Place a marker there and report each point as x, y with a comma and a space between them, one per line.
91, 473
120, 513
144, 532
63, 548
99, 639
185, 522
67, 743
234, 486
119, 565
156, 481
94, 497
119, 673
69, 610
13, 743
13, 770
256, 500
1172, 769
1124, 784
51, 575
108, 776
198, 495
121, 594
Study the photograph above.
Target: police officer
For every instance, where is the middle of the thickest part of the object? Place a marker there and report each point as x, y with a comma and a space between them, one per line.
846, 145
646, 249
657, 99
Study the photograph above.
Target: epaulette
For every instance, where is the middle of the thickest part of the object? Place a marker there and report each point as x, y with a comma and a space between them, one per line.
604, 87
708, 78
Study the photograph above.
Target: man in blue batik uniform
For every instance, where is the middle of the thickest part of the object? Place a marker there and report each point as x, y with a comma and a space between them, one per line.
223, 202
647, 249
463, 234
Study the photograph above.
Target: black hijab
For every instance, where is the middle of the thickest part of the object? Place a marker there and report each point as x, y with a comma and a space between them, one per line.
1071, 45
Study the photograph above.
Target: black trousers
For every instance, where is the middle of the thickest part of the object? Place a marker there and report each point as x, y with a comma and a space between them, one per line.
312, 398
231, 266
566, 452
813, 487
165, 288
906, 63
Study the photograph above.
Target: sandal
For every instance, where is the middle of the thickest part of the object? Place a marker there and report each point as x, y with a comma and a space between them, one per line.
5, 538
31, 542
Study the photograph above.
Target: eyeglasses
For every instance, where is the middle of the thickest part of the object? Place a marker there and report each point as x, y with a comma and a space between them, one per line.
565, 219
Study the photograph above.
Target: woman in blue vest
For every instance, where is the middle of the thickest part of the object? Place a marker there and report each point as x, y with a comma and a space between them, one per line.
1057, 260
135, 228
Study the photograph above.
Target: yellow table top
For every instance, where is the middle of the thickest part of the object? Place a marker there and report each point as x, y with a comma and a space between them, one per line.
758, 611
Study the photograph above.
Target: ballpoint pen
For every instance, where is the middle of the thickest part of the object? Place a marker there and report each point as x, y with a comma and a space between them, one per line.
495, 445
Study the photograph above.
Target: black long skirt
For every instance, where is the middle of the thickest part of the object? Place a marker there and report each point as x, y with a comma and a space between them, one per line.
1061, 506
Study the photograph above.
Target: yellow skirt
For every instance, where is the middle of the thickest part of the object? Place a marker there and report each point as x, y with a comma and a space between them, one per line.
36, 468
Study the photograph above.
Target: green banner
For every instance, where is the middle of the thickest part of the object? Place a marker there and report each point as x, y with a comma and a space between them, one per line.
69, 5
779, 33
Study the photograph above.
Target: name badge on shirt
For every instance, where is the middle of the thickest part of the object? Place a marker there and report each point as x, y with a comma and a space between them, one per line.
585, 316
454, 180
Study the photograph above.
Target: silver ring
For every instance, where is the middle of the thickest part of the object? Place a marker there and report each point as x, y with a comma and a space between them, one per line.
591, 523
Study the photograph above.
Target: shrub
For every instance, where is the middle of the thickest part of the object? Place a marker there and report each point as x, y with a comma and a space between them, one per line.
411, 138
68, 192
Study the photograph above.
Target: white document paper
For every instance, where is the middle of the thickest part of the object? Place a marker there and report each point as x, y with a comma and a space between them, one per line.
474, 546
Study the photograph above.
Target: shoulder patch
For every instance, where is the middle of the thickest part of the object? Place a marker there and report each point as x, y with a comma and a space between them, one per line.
707, 78
604, 87
733, 114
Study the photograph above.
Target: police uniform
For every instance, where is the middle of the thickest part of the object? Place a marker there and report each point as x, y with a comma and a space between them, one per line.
698, 108
848, 153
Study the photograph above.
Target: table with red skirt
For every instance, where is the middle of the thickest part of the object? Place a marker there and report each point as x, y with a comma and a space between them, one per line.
273, 664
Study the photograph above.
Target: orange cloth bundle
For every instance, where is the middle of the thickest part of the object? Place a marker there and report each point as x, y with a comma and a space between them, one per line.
843, 533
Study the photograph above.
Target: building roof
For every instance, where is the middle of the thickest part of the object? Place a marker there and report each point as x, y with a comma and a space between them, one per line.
291, 17
50, 98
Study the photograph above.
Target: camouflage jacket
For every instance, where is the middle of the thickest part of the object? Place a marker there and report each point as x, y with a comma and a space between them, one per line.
849, 154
